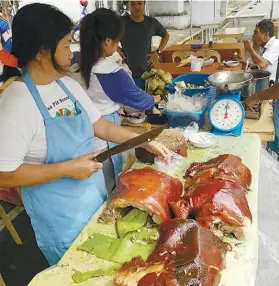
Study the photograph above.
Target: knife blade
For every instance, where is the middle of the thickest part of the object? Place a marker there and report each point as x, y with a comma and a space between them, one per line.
131, 143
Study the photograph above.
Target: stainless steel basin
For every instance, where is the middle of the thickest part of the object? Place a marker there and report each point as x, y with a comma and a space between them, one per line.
227, 81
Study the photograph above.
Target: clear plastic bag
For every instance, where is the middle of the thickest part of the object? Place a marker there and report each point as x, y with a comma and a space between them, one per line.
268, 221
180, 102
187, 131
174, 166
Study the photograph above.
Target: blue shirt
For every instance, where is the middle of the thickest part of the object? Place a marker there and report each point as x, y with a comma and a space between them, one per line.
6, 35
119, 87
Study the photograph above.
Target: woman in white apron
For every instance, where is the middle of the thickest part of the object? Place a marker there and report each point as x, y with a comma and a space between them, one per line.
108, 84
47, 128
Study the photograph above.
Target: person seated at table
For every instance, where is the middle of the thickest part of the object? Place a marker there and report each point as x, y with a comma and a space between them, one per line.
264, 39
47, 129
108, 85
136, 43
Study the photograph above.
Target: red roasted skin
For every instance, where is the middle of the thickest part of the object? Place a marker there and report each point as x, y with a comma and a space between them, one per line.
149, 189
214, 199
192, 251
190, 255
227, 167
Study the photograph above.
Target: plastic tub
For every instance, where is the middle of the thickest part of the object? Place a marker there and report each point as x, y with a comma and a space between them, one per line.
196, 79
179, 118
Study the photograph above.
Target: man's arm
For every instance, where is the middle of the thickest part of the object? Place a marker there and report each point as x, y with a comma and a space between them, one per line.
164, 41
268, 94
257, 59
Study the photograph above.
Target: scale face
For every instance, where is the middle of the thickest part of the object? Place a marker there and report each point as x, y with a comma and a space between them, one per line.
226, 116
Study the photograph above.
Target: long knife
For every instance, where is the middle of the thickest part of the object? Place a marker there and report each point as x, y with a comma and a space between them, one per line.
131, 143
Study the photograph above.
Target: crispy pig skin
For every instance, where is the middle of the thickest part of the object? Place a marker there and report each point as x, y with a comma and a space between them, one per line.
214, 199
133, 271
148, 190
224, 167
186, 254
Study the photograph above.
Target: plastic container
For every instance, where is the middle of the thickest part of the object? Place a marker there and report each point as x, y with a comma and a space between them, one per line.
196, 64
157, 118
136, 120
196, 79
178, 118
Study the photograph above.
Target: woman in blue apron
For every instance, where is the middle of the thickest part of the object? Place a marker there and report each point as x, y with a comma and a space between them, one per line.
107, 83
48, 125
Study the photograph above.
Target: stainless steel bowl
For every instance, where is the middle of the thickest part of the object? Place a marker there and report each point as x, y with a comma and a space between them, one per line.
230, 80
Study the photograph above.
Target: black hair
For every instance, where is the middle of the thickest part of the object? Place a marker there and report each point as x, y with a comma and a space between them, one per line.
37, 27
94, 29
266, 26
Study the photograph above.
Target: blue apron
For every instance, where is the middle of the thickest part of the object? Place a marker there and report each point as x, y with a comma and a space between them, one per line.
59, 210
274, 146
116, 159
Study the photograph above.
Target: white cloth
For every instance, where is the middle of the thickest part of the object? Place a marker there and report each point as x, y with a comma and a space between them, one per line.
95, 90
98, 96
22, 130
270, 52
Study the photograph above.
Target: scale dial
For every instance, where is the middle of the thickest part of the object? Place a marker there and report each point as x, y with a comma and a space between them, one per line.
226, 114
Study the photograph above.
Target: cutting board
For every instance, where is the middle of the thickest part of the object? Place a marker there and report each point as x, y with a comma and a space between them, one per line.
241, 262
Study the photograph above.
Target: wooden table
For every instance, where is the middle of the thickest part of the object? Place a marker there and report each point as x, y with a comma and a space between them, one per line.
230, 33
248, 148
264, 127
213, 68
226, 50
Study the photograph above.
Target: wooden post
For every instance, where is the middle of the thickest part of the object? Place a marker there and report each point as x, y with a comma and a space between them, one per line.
9, 226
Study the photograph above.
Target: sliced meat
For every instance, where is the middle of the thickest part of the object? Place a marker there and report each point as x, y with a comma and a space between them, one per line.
148, 190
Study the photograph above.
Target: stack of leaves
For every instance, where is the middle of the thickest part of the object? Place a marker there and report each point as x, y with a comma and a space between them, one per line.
134, 239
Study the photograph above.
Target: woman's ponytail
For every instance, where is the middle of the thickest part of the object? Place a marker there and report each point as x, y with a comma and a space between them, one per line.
90, 46
95, 28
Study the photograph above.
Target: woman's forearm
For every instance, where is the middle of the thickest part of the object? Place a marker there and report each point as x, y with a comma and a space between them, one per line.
32, 175
108, 131
270, 93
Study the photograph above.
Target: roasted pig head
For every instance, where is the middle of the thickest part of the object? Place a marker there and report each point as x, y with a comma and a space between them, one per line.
218, 204
224, 167
148, 190
185, 254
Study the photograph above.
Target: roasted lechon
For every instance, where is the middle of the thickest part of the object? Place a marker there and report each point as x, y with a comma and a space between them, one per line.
148, 190
224, 167
185, 254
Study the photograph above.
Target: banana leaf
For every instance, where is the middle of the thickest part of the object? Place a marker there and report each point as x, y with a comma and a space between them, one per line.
144, 234
115, 249
134, 220
79, 277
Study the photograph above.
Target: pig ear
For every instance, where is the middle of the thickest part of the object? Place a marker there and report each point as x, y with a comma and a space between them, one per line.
180, 208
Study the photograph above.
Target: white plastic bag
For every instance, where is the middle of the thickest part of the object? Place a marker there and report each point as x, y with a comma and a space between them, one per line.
187, 131
196, 65
176, 163
182, 103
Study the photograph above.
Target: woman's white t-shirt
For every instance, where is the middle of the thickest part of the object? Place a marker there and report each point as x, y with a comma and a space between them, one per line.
22, 129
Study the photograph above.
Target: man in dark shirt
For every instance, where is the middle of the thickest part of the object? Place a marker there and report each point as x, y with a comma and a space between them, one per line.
137, 40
